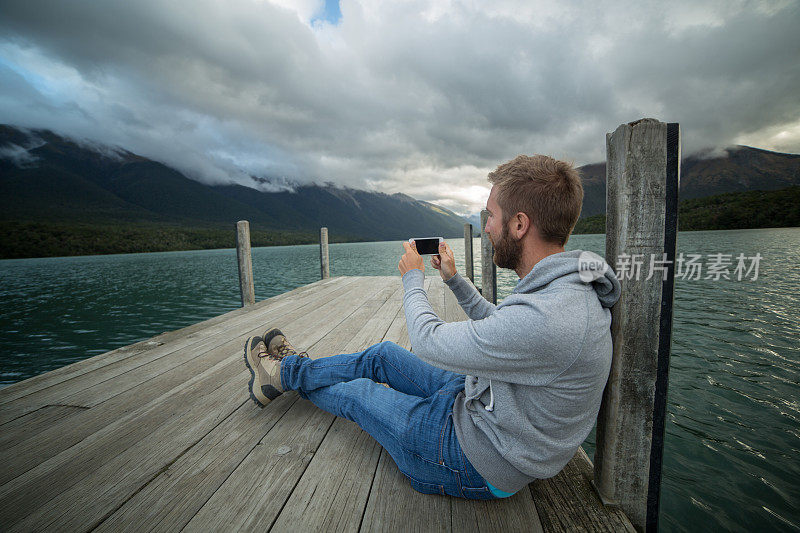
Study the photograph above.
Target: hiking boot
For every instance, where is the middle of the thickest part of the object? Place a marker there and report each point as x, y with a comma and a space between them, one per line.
265, 372
278, 346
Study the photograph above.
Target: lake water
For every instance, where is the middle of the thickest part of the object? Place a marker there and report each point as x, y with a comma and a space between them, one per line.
731, 458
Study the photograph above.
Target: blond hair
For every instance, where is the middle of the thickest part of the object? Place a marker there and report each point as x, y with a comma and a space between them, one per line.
547, 190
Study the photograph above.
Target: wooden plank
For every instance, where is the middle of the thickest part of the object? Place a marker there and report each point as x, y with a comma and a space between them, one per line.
394, 506
369, 323
122, 457
229, 393
515, 513
264, 481
348, 335
21, 428
436, 295
59, 391
284, 454
53, 377
398, 331
272, 486
568, 502
175, 495
375, 329
52, 497
452, 311
333, 490
45, 443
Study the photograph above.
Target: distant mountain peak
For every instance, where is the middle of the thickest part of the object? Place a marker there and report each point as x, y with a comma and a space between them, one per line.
403, 197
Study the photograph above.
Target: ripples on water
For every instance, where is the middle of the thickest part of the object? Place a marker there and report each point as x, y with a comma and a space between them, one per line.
733, 427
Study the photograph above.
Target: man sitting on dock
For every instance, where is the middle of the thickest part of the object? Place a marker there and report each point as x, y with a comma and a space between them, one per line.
484, 406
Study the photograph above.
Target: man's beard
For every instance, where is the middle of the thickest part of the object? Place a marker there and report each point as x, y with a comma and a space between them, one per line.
507, 251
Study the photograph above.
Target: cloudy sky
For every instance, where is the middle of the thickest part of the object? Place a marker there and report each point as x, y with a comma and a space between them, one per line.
421, 97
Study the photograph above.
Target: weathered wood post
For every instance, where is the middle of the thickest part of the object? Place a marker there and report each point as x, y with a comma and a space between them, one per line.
468, 267
488, 268
245, 263
642, 178
324, 258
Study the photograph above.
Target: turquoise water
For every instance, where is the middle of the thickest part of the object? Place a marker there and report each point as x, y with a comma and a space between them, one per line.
733, 428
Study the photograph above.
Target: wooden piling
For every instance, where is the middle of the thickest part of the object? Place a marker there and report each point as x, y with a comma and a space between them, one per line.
642, 178
324, 258
468, 267
245, 261
488, 268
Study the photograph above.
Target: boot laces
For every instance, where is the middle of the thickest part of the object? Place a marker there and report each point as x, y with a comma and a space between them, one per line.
283, 350
264, 353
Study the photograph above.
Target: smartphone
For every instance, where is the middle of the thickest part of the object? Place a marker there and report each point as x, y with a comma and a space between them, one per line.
427, 245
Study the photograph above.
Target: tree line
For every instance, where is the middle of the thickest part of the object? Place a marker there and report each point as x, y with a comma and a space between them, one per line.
18, 239
732, 210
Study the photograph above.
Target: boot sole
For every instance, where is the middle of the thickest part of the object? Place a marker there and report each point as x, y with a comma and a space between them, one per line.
263, 400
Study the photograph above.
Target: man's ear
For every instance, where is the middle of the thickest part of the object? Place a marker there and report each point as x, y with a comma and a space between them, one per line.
520, 225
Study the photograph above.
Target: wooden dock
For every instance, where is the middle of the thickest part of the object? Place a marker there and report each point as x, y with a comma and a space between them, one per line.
161, 435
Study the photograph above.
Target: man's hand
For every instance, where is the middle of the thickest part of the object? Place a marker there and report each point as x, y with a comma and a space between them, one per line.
411, 259
445, 262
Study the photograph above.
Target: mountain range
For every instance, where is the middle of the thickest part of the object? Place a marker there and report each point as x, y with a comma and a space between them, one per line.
738, 169
46, 178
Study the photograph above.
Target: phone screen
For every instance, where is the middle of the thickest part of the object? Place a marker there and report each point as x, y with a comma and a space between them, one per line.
427, 246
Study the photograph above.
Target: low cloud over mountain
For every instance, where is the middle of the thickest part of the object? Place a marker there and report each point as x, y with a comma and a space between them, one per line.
47, 178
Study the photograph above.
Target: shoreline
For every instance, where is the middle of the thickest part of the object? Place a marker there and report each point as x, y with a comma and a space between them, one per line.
278, 245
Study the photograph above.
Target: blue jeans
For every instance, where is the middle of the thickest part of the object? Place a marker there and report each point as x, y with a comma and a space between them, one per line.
412, 420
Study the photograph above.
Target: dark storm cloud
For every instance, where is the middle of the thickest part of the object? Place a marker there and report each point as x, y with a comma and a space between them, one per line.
419, 97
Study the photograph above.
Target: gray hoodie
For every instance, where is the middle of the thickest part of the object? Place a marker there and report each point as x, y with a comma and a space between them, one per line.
535, 365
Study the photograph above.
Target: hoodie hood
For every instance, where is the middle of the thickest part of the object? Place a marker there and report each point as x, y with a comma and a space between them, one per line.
573, 267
